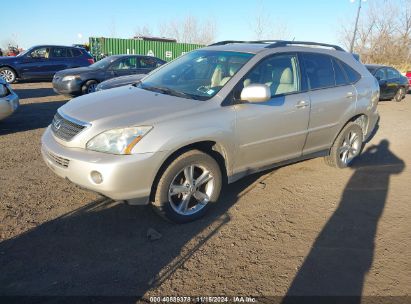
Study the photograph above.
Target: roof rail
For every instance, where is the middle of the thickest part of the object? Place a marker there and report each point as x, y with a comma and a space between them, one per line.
281, 43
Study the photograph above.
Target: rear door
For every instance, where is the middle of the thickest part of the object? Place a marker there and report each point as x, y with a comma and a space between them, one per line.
272, 131
59, 59
332, 98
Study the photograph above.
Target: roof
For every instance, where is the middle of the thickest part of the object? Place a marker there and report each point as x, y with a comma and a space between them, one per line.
255, 47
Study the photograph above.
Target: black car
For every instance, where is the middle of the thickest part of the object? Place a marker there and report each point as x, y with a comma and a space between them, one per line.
42, 62
84, 80
392, 84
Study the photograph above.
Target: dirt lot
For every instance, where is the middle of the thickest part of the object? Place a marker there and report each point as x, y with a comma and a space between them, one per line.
302, 229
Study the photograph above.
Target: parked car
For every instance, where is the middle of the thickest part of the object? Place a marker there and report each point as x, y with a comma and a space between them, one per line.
392, 84
85, 80
408, 75
9, 101
119, 82
211, 116
42, 62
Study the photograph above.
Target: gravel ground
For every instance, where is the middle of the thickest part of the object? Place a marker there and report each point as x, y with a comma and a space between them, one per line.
301, 229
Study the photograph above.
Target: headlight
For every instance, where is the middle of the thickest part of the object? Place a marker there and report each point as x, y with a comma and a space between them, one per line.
68, 78
118, 141
3, 90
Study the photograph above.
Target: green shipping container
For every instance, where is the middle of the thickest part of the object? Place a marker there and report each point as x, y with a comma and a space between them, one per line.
114, 46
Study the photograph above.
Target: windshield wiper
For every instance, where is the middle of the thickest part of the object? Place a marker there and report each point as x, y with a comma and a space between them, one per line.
168, 91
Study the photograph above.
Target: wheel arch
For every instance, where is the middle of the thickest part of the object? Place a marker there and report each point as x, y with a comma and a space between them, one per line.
12, 68
361, 119
209, 147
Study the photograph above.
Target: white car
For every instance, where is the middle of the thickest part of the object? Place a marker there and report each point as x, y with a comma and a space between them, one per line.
9, 101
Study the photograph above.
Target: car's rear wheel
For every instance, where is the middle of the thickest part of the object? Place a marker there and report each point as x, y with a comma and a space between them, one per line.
89, 87
400, 94
346, 147
187, 187
8, 74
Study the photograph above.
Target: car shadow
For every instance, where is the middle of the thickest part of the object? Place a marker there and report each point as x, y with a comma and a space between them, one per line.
102, 249
34, 93
30, 116
343, 252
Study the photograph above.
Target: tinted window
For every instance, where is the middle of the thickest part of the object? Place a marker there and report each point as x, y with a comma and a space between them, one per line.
340, 78
75, 52
148, 63
391, 73
352, 75
380, 75
280, 73
59, 52
128, 63
320, 71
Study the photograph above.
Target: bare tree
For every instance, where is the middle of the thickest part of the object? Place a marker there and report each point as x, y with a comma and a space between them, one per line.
264, 28
190, 30
383, 38
143, 31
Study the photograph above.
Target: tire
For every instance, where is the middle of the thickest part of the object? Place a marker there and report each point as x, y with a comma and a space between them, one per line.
89, 87
8, 74
346, 147
400, 95
178, 200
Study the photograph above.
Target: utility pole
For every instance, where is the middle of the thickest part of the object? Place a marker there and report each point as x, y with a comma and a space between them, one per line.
356, 25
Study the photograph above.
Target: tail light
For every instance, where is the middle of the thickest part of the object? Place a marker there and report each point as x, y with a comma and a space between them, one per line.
90, 60
408, 75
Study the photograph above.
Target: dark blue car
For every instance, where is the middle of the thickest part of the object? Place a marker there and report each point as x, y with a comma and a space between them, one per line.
42, 62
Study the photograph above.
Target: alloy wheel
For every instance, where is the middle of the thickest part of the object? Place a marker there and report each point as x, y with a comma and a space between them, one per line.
350, 147
191, 189
7, 75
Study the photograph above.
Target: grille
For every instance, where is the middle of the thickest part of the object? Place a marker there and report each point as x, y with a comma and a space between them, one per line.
64, 162
65, 129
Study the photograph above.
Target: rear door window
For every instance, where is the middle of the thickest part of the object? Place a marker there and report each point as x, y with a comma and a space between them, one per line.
59, 52
392, 74
353, 76
148, 62
319, 70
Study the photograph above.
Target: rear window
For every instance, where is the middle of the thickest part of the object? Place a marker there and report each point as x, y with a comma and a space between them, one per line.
320, 71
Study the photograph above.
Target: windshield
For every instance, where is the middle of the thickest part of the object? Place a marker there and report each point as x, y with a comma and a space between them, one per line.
197, 75
25, 52
103, 63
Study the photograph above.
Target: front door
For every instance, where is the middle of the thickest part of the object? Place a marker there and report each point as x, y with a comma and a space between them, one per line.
275, 130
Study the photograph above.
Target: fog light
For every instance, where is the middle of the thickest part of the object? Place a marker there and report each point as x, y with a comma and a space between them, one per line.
96, 177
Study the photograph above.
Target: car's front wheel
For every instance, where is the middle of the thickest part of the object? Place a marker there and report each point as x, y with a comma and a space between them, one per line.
187, 187
400, 94
89, 87
8, 74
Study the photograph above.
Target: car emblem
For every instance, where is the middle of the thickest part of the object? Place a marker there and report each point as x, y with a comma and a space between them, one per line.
57, 124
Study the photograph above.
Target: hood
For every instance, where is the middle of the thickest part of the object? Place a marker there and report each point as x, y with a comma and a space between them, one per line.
126, 106
75, 71
120, 81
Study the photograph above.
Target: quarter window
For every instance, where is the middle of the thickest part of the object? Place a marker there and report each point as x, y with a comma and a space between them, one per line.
75, 52
280, 73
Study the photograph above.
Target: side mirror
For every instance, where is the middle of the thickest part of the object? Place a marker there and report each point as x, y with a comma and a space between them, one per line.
256, 93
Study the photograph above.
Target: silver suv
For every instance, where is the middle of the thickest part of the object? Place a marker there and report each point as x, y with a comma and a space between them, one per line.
213, 116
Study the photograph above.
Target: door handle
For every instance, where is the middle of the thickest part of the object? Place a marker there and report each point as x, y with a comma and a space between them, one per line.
301, 104
350, 95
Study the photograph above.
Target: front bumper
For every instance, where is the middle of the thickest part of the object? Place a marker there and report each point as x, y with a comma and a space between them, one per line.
125, 177
8, 105
70, 87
